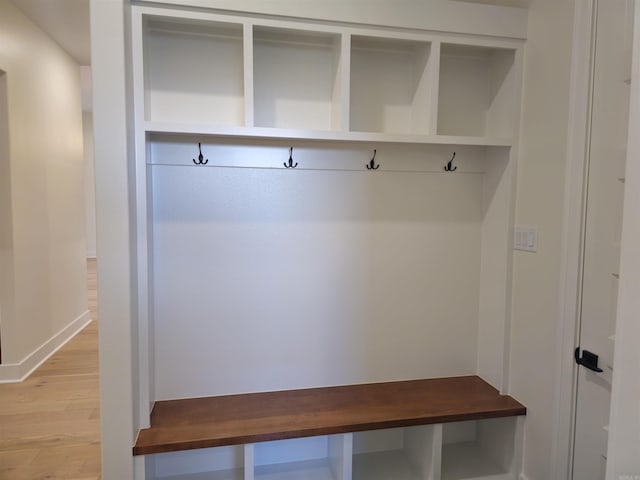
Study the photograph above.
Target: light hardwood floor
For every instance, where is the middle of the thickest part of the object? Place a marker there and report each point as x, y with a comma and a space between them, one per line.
50, 423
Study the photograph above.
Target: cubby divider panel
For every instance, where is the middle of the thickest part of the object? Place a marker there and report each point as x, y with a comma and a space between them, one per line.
194, 72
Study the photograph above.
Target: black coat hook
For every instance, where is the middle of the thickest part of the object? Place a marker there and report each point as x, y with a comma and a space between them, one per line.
201, 160
449, 166
372, 164
290, 164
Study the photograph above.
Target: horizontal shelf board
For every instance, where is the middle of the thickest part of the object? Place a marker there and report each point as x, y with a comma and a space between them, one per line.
293, 134
257, 417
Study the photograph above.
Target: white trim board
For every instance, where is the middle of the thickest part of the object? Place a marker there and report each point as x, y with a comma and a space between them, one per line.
574, 205
458, 17
18, 372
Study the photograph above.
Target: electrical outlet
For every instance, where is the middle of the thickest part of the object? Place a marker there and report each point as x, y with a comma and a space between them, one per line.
525, 239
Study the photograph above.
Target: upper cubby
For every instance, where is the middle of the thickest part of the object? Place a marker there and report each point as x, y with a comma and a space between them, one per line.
206, 73
391, 85
297, 79
194, 71
476, 95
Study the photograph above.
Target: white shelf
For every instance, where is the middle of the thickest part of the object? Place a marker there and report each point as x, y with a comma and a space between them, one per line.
296, 79
193, 71
476, 91
290, 133
391, 86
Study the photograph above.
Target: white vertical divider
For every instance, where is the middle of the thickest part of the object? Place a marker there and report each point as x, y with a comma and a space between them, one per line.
142, 469
142, 249
343, 99
423, 445
518, 447
341, 455
433, 77
421, 121
518, 63
248, 74
436, 453
249, 461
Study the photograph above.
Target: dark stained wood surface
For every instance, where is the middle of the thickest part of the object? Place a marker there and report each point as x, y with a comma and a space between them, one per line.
258, 417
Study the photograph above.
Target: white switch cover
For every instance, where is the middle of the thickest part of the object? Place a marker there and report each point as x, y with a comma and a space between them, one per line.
525, 239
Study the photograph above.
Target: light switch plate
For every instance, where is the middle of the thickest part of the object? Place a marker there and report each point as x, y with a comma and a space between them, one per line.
525, 238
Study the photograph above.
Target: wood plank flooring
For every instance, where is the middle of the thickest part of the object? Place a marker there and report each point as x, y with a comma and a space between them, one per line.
50, 423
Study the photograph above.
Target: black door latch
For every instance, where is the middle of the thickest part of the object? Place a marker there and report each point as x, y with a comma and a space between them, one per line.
588, 359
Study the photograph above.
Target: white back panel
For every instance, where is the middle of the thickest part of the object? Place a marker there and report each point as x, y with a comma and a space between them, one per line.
278, 279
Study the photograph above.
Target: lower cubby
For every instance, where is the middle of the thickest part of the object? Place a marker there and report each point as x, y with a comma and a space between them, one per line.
310, 458
220, 463
488, 449
396, 454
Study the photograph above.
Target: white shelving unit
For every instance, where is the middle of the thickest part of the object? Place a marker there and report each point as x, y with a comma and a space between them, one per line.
329, 273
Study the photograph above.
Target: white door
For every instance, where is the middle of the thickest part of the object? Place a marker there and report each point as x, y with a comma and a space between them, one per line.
603, 224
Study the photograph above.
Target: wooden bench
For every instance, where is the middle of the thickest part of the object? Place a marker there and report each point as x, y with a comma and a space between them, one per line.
250, 418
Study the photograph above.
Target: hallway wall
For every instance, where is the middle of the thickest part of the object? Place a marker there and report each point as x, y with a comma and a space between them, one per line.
47, 228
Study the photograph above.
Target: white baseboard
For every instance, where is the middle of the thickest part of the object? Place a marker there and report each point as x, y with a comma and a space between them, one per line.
523, 477
18, 372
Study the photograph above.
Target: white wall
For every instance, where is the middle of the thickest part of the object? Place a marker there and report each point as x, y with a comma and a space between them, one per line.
540, 196
47, 247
